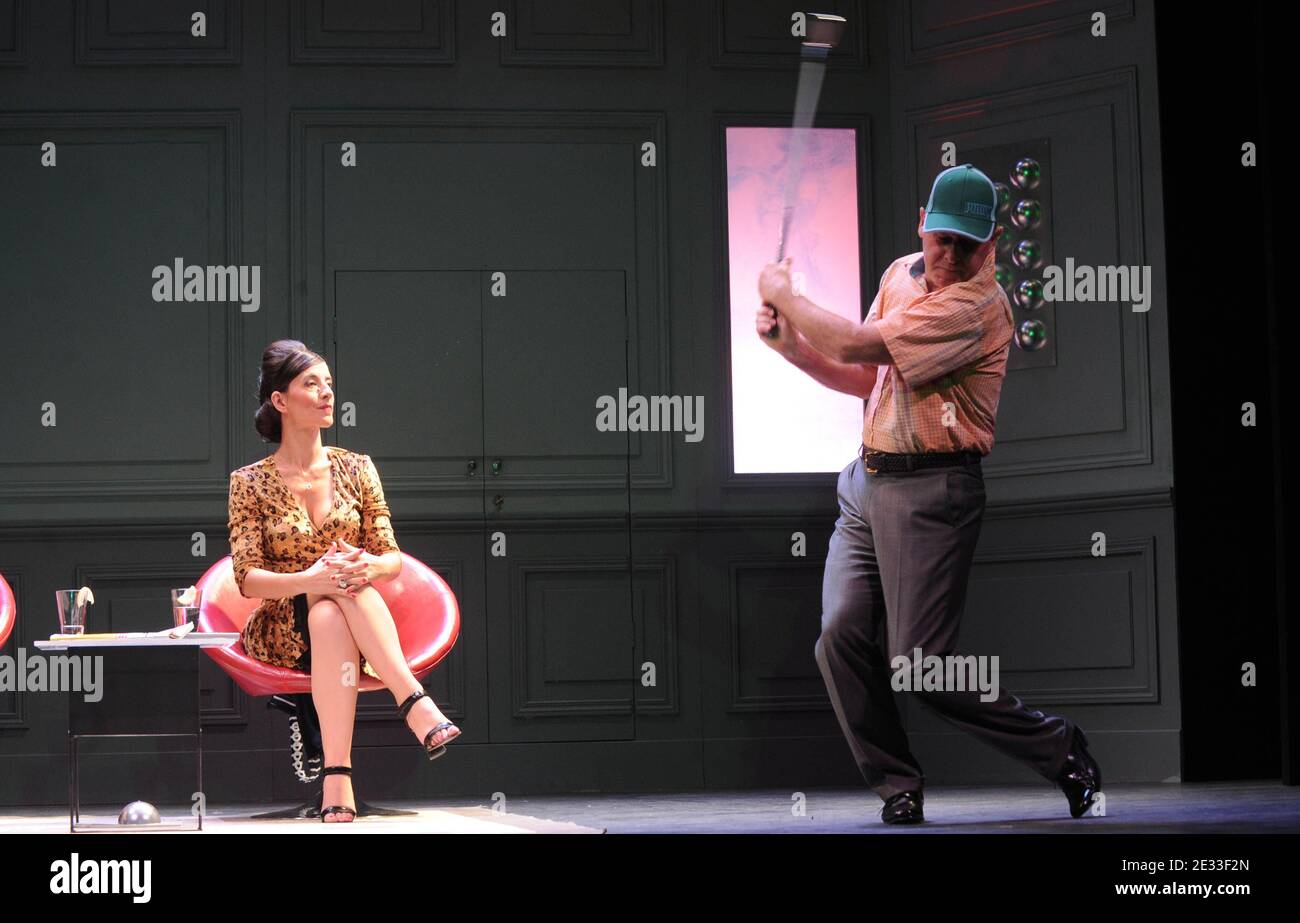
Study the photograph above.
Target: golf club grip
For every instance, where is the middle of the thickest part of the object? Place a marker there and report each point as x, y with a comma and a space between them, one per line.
774, 331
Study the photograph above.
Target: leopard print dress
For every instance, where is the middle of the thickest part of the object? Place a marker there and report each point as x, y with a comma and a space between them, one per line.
270, 529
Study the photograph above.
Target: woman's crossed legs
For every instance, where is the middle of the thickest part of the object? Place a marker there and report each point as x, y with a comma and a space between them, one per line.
342, 629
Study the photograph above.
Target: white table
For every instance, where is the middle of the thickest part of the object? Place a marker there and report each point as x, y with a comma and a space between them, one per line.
152, 687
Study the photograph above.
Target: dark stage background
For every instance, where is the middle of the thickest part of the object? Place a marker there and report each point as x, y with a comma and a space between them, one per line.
521, 154
1228, 347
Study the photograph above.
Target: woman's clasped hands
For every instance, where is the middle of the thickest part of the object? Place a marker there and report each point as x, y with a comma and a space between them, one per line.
343, 570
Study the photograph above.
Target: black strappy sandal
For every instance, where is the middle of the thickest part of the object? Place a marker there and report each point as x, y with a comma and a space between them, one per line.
338, 808
404, 709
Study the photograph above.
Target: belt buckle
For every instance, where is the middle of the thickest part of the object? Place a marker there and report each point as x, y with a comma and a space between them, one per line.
863, 453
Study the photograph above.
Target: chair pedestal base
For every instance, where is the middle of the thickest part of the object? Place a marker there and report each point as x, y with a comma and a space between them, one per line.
312, 809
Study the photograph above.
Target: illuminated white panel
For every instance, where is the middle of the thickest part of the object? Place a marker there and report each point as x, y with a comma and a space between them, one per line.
784, 421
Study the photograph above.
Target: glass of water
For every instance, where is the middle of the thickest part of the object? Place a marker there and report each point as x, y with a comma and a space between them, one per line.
185, 606
72, 610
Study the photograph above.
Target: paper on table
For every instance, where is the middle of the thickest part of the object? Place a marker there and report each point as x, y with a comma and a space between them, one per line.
179, 632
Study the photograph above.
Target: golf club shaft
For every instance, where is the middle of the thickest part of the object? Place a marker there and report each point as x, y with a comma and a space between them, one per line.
812, 68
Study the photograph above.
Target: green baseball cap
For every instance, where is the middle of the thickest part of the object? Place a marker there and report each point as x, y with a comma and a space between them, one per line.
962, 201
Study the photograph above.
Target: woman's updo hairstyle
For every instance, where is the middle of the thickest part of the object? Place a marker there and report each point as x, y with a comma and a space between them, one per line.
282, 362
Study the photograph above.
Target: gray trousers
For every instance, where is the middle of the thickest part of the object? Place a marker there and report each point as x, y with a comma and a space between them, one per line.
895, 580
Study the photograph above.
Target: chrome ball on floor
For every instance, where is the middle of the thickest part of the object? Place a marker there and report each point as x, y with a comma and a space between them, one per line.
139, 812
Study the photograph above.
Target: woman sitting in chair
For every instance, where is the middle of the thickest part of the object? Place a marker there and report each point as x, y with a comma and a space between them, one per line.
310, 534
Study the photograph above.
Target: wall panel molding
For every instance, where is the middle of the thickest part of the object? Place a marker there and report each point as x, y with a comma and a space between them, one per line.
649, 358
655, 579
937, 29
570, 692
92, 479
413, 32
156, 32
14, 19
611, 33
1100, 656
768, 670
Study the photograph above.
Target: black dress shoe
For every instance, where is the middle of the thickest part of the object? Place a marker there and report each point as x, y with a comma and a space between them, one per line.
1080, 777
903, 808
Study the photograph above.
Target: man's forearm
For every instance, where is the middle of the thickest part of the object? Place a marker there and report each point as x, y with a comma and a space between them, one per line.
826, 332
850, 378
839, 339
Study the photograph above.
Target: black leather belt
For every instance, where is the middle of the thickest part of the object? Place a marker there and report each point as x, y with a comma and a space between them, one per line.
896, 461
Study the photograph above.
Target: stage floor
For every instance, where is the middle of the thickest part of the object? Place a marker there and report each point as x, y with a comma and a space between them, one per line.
1218, 808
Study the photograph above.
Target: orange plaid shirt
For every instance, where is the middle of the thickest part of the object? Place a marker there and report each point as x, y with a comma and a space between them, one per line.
950, 349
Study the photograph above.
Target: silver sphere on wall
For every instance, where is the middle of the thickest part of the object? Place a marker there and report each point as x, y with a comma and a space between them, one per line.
1028, 254
1026, 173
1031, 335
1027, 214
1029, 294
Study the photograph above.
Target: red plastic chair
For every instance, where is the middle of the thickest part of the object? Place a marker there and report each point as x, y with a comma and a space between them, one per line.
8, 611
423, 606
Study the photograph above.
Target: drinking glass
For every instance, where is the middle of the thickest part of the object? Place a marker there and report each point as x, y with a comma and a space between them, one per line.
186, 602
72, 611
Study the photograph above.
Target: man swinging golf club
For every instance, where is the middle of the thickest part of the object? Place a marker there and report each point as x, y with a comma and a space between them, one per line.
930, 358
